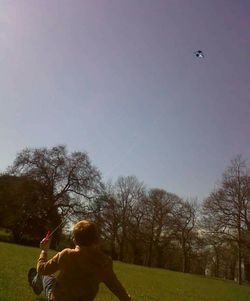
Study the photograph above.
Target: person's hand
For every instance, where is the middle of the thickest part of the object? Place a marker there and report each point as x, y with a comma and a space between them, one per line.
44, 244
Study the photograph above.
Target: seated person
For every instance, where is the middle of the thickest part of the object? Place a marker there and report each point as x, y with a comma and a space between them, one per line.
80, 269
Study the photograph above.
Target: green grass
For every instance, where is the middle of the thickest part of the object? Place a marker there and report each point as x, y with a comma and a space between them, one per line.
144, 284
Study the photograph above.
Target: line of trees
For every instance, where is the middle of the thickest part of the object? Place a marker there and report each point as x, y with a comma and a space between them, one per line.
151, 227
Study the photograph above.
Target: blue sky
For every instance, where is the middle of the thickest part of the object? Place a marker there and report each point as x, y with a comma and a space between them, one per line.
119, 80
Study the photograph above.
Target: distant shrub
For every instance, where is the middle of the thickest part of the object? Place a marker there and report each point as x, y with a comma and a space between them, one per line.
5, 235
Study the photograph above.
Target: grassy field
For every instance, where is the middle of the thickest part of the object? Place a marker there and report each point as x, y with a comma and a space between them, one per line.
144, 284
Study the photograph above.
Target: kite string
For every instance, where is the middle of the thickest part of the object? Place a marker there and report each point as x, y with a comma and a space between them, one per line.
51, 233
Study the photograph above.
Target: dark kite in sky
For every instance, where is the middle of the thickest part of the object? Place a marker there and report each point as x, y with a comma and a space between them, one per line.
199, 54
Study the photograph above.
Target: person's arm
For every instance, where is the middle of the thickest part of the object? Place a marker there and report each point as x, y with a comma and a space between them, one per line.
112, 282
45, 267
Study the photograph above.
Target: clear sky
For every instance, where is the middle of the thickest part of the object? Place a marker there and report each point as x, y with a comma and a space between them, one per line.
119, 80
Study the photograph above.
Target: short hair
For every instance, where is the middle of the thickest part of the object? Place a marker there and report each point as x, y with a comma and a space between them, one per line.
85, 233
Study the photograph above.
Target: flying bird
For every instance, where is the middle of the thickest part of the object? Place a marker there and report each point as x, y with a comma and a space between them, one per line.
199, 54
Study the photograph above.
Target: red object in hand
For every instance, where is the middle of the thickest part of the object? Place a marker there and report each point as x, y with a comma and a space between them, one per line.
47, 235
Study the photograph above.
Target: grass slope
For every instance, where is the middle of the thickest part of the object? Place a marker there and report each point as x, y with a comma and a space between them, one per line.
144, 284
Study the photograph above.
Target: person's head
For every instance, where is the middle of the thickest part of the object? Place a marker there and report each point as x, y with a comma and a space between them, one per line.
85, 233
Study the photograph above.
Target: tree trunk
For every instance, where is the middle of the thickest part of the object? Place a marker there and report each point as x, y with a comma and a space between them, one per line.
184, 260
150, 253
184, 254
239, 264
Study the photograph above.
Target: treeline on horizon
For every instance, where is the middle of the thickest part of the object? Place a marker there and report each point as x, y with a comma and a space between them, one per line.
151, 227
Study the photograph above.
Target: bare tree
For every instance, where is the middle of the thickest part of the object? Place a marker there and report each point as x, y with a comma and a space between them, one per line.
127, 192
184, 223
226, 210
111, 223
68, 179
158, 223
136, 232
